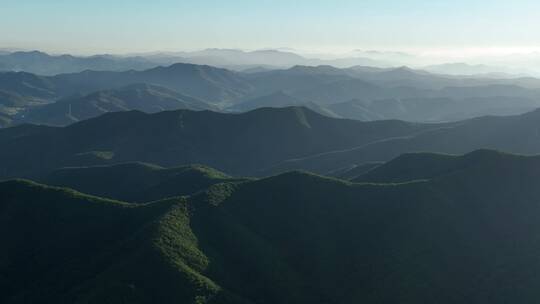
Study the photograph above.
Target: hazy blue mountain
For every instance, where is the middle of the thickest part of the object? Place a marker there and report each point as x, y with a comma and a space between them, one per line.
28, 85
364, 93
239, 59
44, 64
482, 70
326, 84
257, 69
207, 83
295, 78
432, 109
279, 99
342, 91
408, 77
141, 97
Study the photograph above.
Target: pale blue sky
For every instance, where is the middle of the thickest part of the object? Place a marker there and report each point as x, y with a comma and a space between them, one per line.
116, 26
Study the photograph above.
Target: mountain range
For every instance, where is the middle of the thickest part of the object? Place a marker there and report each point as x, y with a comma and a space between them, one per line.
40, 63
361, 93
260, 142
153, 179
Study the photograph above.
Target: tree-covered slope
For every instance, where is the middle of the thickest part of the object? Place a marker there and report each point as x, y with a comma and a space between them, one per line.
60, 246
455, 239
291, 238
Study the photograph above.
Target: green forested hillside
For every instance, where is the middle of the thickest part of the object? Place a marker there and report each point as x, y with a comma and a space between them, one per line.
292, 238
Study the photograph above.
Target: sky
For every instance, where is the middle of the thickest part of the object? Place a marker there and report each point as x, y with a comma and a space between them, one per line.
122, 26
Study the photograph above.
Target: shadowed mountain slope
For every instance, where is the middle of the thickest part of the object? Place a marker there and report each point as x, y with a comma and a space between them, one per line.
514, 134
240, 144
